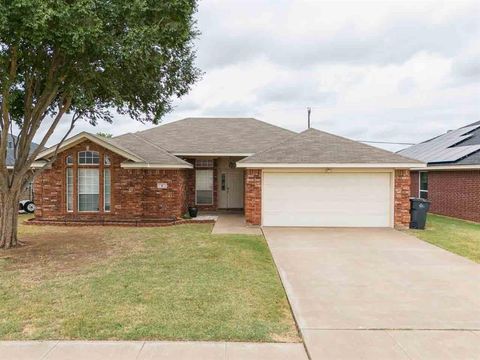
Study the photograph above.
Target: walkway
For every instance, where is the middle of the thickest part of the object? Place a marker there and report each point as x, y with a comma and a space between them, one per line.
234, 223
141, 350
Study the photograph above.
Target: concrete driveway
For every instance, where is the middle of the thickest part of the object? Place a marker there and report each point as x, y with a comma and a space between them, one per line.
378, 294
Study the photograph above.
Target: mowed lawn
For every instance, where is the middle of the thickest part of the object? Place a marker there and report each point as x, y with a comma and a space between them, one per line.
170, 283
458, 236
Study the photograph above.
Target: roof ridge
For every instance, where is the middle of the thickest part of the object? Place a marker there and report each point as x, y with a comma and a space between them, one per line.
213, 118
160, 148
358, 142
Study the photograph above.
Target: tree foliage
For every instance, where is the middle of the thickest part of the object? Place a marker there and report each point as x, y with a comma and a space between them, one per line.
88, 58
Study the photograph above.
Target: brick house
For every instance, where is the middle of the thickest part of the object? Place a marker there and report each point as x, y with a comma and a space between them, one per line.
276, 176
451, 181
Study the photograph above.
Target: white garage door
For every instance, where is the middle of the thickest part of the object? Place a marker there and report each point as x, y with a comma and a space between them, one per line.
327, 199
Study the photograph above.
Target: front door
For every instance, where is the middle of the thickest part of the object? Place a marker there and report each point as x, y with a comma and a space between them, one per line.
231, 189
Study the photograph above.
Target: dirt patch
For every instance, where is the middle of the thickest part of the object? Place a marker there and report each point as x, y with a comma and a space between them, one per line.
50, 250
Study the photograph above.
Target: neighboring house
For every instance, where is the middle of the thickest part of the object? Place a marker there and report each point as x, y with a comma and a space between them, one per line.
452, 179
27, 193
277, 176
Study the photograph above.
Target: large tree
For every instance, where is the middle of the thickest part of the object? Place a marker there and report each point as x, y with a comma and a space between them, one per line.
66, 60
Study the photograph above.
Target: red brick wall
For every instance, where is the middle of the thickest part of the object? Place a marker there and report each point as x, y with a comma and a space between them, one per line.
134, 192
453, 193
414, 184
253, 196
402, 199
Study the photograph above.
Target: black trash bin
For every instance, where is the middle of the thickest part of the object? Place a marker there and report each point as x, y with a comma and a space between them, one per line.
418, 213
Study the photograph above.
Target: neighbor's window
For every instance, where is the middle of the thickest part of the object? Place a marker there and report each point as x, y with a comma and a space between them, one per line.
69, 189
88, 186
204, 163
69, 160
204, 187
88, 158
106, 160
423, 192
106, 189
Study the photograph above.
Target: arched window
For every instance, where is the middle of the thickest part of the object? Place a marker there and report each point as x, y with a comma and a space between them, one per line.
88, 158
69, 160
106, 160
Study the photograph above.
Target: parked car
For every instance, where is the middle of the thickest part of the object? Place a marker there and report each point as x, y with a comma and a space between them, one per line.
26, 206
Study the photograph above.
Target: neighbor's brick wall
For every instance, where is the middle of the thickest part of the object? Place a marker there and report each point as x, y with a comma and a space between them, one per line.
414, 184
253, 196
453, 193
402, 199
134, 192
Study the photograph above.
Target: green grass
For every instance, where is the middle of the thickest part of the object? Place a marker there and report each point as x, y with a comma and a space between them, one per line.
171, 283
458, 236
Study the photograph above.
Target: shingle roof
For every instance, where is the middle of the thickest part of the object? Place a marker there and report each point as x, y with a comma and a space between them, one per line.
317, 147
216, 136
455, 147
10, 159
150, 153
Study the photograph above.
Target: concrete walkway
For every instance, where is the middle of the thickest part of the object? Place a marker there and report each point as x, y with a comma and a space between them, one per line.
378, 294
234, 223
140, 350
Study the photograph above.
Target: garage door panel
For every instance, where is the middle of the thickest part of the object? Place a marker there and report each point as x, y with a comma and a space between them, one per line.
326, 199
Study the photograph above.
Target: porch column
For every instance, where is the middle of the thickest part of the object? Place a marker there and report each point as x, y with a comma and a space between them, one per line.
253, 196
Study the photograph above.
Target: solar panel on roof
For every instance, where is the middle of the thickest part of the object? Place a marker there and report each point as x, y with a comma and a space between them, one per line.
442, 148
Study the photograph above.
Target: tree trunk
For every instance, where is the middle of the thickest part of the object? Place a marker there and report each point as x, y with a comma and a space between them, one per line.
9, 202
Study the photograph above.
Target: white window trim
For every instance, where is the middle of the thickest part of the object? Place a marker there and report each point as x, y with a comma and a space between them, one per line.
66, 188
420, 183
196, 191
110, 185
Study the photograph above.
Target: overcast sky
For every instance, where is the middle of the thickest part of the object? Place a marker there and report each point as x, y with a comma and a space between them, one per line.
385, 71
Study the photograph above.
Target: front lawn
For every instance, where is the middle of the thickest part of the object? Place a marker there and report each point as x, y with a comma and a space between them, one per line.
171, 283
458, 236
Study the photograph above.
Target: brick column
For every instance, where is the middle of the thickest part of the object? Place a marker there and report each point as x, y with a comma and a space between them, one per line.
402, 199
253, 196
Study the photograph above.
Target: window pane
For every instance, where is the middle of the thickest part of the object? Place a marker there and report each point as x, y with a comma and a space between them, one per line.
423, 181
106, 159
204, 179
106, 189
204, 163
69, 160
69, 189
204, 187
88, 158
204, 197
88, 186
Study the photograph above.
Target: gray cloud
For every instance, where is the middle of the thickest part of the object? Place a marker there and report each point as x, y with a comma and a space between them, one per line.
297, 91
466, 68
394, 43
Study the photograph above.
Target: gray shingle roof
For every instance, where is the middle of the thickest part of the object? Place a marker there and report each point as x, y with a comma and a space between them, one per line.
150, 153
10, 153
459, 146
216, 136
317, 147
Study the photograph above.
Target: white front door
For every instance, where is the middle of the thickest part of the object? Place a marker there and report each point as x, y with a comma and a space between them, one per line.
231, 186
327, 199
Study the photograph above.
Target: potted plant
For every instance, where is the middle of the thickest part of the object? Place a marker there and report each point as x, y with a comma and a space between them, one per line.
192, 211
